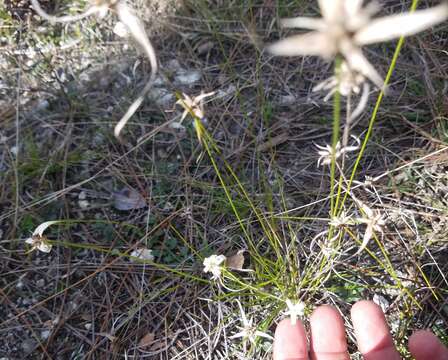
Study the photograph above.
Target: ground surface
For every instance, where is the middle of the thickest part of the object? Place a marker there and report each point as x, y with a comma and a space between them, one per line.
62, 90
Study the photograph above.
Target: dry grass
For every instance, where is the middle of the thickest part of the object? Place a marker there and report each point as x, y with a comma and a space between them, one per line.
62, 89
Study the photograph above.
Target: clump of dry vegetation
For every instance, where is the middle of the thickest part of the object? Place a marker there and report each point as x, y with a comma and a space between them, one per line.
235, 196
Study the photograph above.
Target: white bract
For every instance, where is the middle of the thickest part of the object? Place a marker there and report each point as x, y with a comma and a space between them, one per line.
248, 330
347, 82
342, 220
374, 221
346, 26
295, 310
38, 240
213, 264
326, 152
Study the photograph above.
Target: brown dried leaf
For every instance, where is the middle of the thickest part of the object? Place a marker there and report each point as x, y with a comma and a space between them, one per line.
146, 340
236, 262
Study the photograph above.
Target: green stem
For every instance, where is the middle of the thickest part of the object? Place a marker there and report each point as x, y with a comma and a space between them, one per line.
335, 138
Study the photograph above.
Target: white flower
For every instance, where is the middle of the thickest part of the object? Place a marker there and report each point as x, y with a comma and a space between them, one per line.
38, 240
213, 264
326, 152
342, 220
248, 330
143, 254
374, 221
295, 310
346, 26
193, 106
346, 82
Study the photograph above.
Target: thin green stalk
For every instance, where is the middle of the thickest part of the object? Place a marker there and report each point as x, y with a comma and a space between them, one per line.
335, 138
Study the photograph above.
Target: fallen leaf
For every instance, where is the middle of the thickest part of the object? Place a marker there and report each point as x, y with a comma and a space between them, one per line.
128, 199
146, 340
273, 142
236, 262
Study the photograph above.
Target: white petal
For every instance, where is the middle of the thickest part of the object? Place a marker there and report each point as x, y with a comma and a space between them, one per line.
352, 7
44, 247
263, 335
42, 227
311, 44
30, 241
238, 335
367, 236
362, 102
137, 30
303, 23
332, 10
391, 27
359, 62
202, 96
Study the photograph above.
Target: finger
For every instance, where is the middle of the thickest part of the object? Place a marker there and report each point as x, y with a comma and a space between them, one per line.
424, 345
372, 333
290, 341
328, 341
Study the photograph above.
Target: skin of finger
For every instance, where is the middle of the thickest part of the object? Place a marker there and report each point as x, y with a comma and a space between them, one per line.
372, 333
290, 341
424, 345
328, 341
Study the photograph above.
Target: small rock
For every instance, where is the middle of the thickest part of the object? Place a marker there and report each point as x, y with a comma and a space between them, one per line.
42, 105
161, 96
143, 254
28, 345
381, 301
83, 204
168, 206
187, 77
45, 334
128, 199
287, 100
14, 150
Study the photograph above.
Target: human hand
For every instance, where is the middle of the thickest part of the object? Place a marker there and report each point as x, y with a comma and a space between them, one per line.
328, 341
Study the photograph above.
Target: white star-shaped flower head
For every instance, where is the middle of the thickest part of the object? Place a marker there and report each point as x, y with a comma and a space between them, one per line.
346, 26
375, 222
326, 152
342, 220
346, 82
38, 240
213, 264
248, 330
193, 106
295, 310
